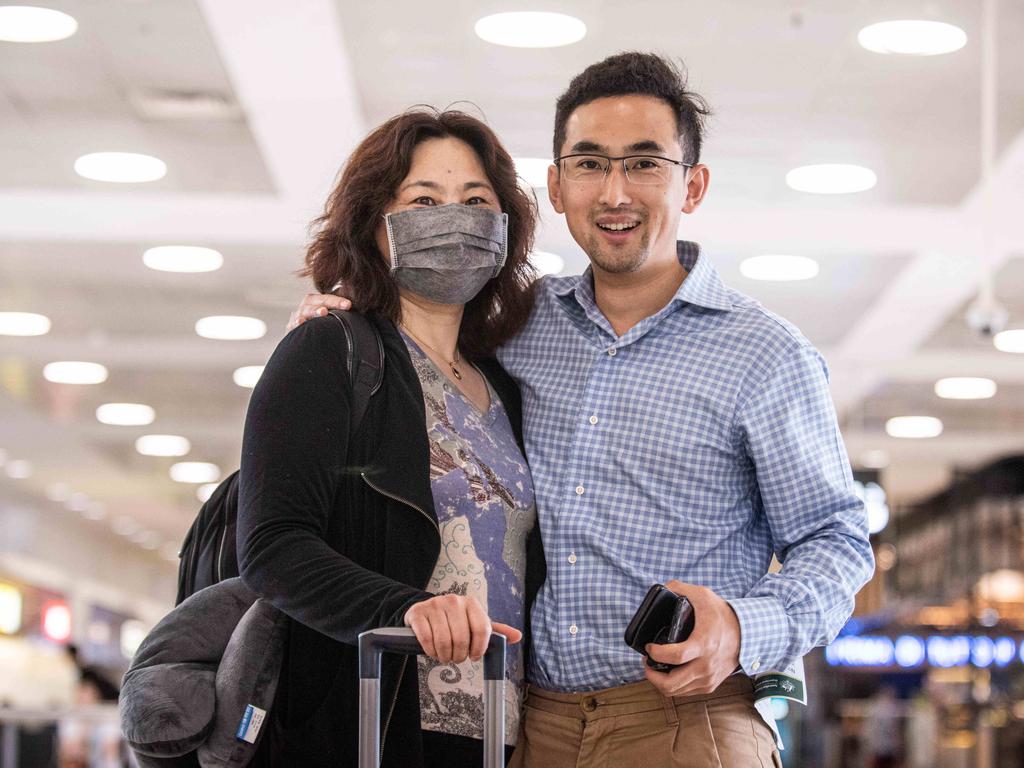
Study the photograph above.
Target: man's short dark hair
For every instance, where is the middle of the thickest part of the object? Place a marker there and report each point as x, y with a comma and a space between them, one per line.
645, 74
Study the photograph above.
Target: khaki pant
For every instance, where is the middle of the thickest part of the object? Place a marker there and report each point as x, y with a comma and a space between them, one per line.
634, 726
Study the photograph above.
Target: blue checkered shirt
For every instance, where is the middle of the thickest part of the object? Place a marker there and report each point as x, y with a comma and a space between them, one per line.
692, 447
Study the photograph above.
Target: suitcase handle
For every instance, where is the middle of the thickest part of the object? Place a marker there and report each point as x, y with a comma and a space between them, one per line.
375, 642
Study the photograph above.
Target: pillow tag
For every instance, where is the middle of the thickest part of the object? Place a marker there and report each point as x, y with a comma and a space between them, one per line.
252, 720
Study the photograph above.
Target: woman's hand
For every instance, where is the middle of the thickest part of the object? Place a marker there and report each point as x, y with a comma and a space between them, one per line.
454, 628
316, 305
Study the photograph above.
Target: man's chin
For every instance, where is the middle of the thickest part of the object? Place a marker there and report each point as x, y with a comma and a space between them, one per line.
616, 262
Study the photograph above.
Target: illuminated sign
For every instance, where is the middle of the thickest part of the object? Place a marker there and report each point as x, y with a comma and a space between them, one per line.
10, 609
909, 651
57, 621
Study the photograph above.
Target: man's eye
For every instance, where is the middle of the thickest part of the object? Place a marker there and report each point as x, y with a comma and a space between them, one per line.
588, 165
645, 164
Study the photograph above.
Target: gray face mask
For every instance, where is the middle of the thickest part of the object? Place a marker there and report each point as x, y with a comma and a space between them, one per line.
446, 253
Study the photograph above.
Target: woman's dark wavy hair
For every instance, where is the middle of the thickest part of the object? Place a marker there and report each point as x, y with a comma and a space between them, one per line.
344, 248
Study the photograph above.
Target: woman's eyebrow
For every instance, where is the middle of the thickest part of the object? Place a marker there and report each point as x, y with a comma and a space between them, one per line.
435, 186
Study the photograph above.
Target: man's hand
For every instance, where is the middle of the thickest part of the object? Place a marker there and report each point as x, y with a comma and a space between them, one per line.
454, 628
316, 305
708, 656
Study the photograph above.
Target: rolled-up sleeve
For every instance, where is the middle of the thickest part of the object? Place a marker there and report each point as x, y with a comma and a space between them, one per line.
817, 522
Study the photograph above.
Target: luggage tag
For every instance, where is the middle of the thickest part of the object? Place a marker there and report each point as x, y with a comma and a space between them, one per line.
789, 682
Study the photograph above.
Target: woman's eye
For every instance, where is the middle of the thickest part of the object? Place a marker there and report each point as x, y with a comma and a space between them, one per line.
424, 200
476, 201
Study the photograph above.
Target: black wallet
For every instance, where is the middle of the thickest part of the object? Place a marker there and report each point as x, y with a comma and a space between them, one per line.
663, 617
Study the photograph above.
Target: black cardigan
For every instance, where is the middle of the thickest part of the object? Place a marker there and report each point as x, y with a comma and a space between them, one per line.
341, 535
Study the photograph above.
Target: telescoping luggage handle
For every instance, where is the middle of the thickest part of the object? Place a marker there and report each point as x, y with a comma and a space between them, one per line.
375, 642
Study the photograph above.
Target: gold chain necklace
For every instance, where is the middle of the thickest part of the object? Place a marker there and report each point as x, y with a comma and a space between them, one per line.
451, 363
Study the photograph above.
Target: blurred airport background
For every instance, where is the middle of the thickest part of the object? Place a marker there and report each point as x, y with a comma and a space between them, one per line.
867, 184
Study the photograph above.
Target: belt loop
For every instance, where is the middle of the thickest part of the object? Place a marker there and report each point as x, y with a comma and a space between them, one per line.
671, 716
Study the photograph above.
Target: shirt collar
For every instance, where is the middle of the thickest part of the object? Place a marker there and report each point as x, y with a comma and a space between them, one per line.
702, 286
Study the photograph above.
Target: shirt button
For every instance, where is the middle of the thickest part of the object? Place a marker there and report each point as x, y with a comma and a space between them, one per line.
573, 629
612, 352
755, 666
593, 419
579, 490
572, 559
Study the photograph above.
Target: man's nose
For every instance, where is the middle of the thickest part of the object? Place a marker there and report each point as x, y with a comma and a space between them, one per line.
615, 186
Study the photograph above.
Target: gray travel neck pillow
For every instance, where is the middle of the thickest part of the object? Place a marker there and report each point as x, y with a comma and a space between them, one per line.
195, 676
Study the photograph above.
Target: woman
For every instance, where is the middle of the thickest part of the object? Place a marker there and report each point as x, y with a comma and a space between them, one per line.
420, 518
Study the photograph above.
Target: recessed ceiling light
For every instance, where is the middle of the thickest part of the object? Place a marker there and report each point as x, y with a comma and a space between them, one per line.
874, 459
231, 328
912, 37
247, 375
913, 426
23, 324
547, 263
831, 178
29, 24
530, 29
205, 491
183, 258
195, 472
94, 511
77, 502
120, 167
778, 267
124, 526
533, 170
18, 469
148, 539
965, 388
163, 445
1010, 341
125, 414
74, 372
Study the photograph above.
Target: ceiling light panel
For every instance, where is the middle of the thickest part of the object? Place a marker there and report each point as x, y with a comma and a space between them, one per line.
779, 267
125, 414
530, 29
1010, 341
183, 258
31, 24
533, 170
231, 328
965, 388
547, 263
120, 167
912, 37
195, 472
74, 372
831, 179
913, 427
163, 445
23, 324
247, 376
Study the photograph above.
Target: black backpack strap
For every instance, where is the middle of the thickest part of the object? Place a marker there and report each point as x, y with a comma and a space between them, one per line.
365, 361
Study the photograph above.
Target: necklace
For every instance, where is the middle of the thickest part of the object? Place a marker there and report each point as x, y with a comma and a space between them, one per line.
451, 363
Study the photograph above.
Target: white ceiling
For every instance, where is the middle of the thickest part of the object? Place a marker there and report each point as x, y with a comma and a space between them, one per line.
304, 80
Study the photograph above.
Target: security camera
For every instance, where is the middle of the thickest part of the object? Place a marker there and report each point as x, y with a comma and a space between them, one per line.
986, 318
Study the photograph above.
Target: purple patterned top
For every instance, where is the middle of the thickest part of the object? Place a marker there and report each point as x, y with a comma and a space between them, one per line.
483, 495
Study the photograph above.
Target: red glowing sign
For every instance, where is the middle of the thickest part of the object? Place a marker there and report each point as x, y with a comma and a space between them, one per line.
57, 621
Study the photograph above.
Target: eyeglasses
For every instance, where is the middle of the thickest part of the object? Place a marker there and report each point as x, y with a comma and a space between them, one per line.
639, 169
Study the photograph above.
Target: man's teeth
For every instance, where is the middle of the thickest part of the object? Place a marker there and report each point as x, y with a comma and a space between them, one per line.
618, 227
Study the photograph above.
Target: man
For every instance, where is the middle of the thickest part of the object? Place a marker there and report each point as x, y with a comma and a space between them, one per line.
678, 433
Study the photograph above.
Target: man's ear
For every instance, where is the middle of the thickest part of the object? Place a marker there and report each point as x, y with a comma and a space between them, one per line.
555, 189
696, 187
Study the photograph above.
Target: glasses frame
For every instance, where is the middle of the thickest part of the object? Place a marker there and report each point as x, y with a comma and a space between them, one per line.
611, 160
